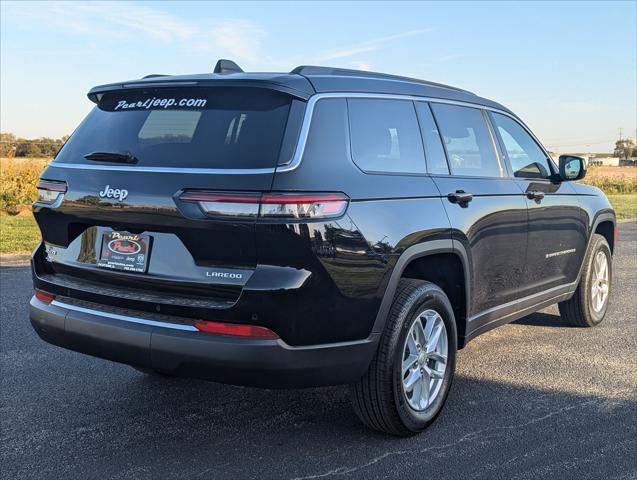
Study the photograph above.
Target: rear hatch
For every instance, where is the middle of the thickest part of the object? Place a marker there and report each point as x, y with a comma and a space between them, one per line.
120, 225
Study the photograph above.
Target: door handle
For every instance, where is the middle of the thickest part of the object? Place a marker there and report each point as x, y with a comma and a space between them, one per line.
535, 195
460, 197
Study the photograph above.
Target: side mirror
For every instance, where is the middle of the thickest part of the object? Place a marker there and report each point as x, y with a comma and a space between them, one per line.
571, 168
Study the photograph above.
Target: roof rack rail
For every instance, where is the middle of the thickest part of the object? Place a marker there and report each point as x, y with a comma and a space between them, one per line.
227, 66
314, 70
153, 75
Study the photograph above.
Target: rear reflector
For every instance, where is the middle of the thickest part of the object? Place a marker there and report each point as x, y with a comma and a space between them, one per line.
270, 206
44, 296
235, 330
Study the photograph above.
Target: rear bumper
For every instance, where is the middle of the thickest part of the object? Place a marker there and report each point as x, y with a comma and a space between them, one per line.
180, 351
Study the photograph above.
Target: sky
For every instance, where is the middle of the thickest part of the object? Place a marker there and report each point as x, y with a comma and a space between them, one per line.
567, 69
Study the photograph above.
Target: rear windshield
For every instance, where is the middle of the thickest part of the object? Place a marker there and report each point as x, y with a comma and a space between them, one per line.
236, 128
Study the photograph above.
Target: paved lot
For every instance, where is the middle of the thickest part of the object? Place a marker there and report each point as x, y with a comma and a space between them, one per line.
534, 399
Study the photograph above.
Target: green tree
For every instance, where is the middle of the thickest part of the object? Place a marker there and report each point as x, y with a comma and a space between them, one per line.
7, 145
625, 148
38, 147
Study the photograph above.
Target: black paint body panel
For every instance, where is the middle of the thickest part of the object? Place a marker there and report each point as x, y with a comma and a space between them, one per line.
315, 283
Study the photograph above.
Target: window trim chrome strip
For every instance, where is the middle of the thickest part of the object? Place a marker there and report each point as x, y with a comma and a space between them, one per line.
124, 318
307, 119
294, 163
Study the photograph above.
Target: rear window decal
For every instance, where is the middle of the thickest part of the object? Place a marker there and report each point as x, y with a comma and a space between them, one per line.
161, 103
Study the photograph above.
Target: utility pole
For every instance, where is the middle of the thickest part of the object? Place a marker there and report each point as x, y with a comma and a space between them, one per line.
620, 134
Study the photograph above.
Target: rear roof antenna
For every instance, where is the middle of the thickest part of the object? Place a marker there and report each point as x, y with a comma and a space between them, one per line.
227, 66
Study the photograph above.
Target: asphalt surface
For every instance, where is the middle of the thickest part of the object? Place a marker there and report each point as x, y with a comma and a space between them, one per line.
534, 399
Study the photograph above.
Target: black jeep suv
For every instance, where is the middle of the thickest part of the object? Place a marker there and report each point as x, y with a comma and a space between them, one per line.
319, 227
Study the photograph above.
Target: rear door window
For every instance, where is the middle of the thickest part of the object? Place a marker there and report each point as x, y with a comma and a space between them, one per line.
467, 140
226, 128
385, 136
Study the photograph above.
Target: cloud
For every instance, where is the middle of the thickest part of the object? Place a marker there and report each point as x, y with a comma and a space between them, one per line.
368, 46
116, 20
120, 21
240, 39
126, 22
360, 65
123, 21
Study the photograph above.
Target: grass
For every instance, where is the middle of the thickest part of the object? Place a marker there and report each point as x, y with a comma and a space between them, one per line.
625, 205
18, 234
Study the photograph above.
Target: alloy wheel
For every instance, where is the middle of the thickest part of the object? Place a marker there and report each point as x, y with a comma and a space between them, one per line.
424, 359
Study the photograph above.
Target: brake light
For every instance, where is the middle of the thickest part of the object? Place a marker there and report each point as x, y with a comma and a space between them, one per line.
50, 191
235, 330
43, 296
270, 206
244, 205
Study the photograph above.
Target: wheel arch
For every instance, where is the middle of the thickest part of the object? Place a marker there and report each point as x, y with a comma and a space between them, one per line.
606, 228
451, 273
608, 224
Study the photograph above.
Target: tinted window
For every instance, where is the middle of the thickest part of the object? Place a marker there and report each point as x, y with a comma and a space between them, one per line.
168, 127
385, 136
199, 127
434, 152
526, 157
468, 142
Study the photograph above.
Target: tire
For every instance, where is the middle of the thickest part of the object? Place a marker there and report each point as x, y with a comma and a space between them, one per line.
580, 310
379, 397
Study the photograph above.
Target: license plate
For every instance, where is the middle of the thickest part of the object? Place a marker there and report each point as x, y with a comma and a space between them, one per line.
124, 251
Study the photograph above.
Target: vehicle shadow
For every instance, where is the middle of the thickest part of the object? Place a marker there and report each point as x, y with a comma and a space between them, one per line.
543, 319
153, 427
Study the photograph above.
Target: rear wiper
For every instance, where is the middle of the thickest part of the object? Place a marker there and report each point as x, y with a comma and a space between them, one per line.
125, 157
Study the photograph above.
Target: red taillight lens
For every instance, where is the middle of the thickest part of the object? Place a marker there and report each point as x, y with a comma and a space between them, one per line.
270, 206
235, 330
230, 205
49, 191
43, 296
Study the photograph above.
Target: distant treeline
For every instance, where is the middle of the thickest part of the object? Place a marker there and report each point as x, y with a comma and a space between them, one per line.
12, 146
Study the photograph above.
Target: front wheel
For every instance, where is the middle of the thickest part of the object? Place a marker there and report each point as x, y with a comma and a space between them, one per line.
409, 378
587, 307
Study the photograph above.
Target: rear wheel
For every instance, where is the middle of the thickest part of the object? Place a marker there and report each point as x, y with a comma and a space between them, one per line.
587, 307
408, 380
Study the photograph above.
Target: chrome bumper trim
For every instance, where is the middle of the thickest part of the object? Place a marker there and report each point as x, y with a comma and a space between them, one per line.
124, 318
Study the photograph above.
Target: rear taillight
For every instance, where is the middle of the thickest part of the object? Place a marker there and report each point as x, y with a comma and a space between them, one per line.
235, 330
236, 205
49, 191
270, 206
43, 296
299, 207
